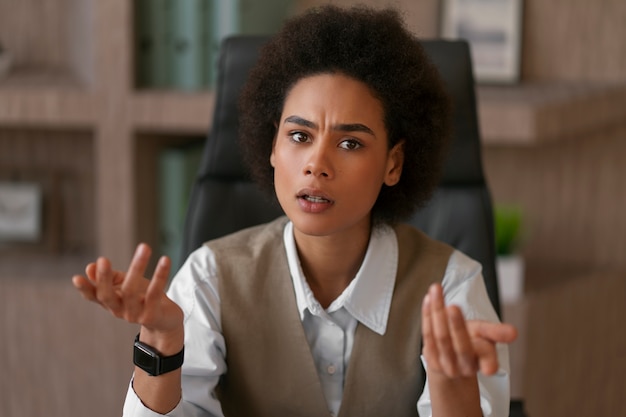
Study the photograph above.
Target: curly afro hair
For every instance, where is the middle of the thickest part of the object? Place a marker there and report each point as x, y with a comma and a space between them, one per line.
371, 46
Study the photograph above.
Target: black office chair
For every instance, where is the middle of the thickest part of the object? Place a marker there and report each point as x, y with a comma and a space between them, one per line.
459, 214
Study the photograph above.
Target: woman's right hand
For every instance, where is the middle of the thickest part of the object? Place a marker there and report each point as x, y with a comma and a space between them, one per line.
136, 299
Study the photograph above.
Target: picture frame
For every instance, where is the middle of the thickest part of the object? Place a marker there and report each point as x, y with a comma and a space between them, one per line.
493, 29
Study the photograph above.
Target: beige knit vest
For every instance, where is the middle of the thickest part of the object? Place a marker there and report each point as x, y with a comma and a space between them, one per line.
271, 372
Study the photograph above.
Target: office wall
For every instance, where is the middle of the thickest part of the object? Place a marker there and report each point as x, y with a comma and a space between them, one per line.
574, 40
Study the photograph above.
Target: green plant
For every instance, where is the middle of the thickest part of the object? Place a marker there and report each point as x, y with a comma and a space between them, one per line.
508, 225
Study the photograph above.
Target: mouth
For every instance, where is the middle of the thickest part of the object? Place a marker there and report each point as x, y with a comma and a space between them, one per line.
314, 197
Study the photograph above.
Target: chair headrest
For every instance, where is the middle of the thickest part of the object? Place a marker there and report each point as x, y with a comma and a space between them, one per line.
452, 58
222, 157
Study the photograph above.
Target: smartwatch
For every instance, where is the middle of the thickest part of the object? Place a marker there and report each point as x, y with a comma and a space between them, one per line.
151, 361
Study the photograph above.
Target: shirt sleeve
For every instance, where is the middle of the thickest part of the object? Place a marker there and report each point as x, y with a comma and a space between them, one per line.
464, 286
195, 290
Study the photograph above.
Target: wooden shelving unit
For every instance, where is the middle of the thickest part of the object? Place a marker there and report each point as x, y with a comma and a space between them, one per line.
79, 77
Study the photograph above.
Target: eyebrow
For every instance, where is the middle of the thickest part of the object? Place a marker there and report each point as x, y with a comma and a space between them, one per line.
342, 127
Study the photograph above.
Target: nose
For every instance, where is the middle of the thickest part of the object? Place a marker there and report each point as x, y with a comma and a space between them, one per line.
319, 163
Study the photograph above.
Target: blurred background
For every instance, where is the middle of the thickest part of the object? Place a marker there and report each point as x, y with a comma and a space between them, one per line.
104, 106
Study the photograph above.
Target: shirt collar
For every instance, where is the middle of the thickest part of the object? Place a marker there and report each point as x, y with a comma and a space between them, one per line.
368, 297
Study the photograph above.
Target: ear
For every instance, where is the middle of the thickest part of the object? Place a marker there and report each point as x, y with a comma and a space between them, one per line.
273, 148
395, 161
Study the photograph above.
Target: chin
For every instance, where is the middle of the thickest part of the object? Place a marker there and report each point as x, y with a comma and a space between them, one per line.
312, 225
324, 224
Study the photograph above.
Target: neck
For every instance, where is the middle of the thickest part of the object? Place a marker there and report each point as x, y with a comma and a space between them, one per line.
330, 263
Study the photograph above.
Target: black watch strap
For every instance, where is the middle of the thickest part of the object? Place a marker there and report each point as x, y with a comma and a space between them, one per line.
150, 360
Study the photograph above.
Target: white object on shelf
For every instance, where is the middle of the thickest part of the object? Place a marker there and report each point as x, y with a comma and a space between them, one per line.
20, 211
510, 270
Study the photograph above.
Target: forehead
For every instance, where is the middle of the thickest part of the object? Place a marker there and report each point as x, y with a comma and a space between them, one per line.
335, 95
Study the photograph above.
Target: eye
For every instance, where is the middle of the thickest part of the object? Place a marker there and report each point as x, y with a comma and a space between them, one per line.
299, 137
350, 144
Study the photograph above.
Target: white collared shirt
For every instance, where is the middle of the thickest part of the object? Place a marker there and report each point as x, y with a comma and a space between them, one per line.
330, 332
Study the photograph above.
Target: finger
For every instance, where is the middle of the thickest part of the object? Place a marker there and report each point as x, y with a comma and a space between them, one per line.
428, 338
90, 271
137, 268
159, 280
85, 287
441, 332
105, 292
495, 332
487, 356
462, 343
133, 287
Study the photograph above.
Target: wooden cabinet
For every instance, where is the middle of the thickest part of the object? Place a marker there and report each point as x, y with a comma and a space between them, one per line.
71, 81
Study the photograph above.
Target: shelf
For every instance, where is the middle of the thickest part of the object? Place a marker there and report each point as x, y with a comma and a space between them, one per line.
535, 113
30, 78
46, 98
53, 106
49, 107
171, 111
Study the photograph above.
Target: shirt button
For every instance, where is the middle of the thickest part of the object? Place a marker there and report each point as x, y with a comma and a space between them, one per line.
331, 369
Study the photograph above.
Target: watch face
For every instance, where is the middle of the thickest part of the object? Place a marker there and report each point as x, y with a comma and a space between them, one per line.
148, 359
145, 358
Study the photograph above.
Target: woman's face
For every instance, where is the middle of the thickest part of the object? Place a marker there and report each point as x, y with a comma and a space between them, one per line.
331, 156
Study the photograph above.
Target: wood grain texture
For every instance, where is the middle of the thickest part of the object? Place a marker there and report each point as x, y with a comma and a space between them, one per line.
60, 355
48, 107
572, 195
34, 32
532, 113
575, 361
173, 112
574, 40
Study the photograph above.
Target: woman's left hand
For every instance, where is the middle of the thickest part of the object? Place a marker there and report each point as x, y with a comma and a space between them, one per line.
456, 347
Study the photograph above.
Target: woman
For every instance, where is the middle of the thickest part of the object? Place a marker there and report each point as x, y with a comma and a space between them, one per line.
323, 311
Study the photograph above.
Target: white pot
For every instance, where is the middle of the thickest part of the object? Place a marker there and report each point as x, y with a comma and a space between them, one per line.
510, 270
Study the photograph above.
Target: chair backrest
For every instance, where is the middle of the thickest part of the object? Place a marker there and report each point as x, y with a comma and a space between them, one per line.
224, 199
